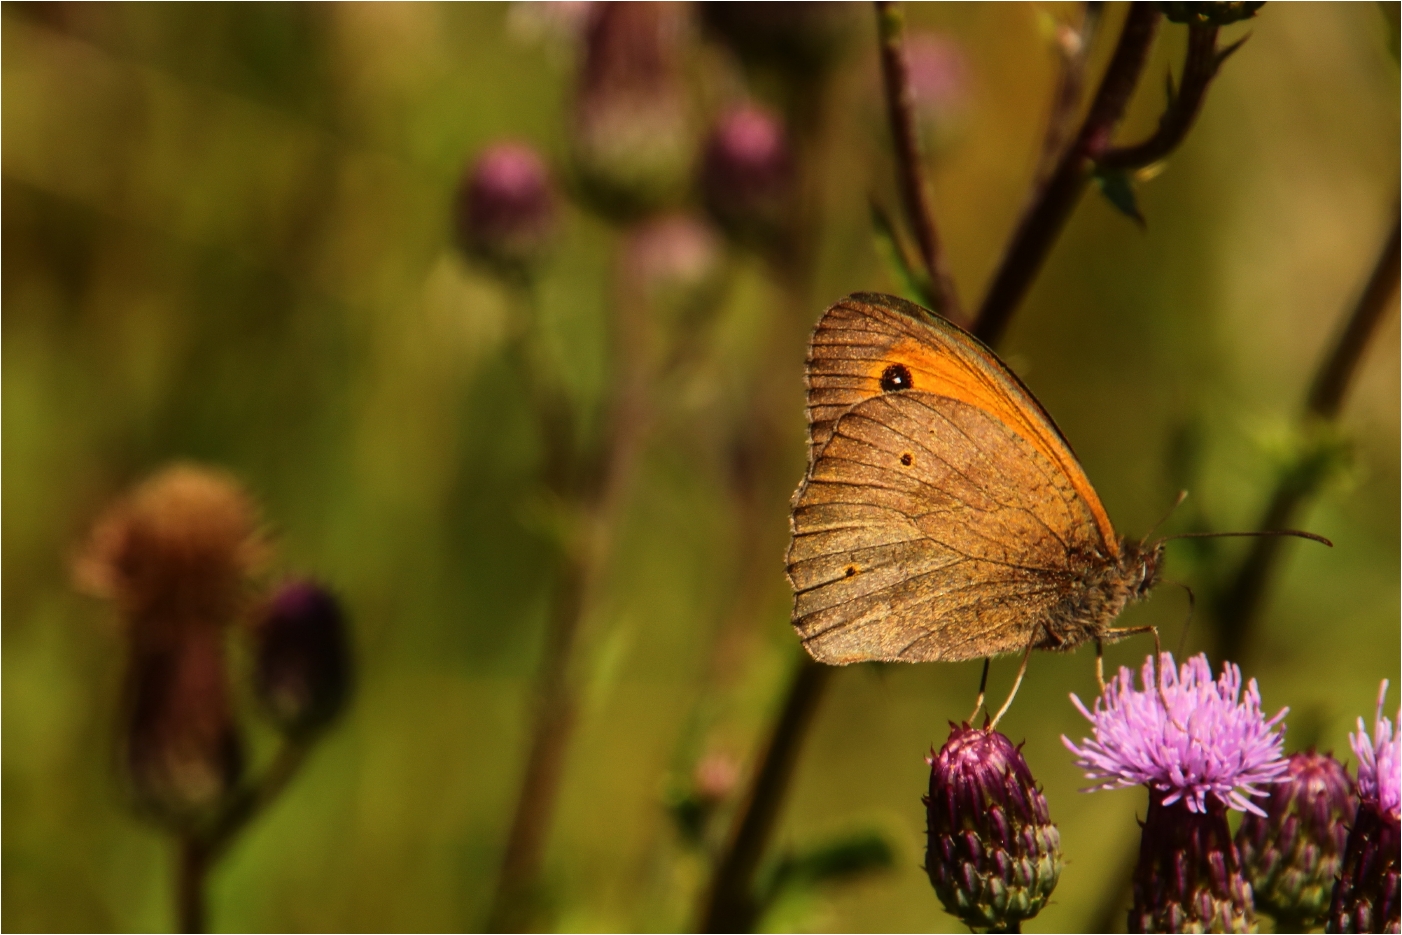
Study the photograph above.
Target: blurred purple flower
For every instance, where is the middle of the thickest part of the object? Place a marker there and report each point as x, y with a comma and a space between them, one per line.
1291, 855
993, 854
674, 262
631, 135
938, 74
747, 171
1210, 741
1366, 897
506, 208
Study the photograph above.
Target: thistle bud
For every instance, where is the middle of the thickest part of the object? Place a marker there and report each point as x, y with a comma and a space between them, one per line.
675, 263
1291, 854
1365, 897
747, 172
1188, 878
994, 855
939, 87
506, 211
302, 662
631, 135
174, 556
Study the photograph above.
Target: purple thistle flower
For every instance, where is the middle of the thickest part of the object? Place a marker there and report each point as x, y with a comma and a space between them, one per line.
993, 855
1379, 765
1209, 742
1201, 748
1366, 895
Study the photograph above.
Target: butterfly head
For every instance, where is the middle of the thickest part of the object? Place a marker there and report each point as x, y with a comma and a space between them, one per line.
1140, 562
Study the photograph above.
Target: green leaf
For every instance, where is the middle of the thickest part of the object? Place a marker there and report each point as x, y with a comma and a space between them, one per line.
888, 244
1118, 189
837, 860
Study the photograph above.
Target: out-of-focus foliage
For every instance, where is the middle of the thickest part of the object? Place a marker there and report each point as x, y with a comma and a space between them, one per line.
228, 236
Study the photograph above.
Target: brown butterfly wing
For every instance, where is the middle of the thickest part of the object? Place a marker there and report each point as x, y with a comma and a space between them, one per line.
930, 526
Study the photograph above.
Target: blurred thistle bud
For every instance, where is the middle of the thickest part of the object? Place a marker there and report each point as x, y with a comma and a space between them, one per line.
747, 173
175, 555
1365, 897
1291, 854
1201, 748
506, 207
993, 855
302, 667
631, 134
1210, 14
675, 263
802, 40
693, 803
939, 86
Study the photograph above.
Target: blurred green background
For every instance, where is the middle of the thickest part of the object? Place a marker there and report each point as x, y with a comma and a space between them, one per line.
227, 237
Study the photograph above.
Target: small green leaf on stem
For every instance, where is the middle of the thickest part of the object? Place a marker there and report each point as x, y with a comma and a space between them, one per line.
837, 860
1118, 189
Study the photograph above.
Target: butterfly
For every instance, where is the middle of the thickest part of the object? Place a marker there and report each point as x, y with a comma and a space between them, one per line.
943, 515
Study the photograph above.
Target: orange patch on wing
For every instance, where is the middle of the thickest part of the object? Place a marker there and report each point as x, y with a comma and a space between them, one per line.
945, 373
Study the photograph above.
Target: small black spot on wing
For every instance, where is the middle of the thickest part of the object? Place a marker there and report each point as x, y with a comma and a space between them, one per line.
907, 459
896, 377
851, 570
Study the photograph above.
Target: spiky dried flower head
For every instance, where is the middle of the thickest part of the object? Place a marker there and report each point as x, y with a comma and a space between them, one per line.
175, 555
1292, 854
993, 854
177, 549
1209, 742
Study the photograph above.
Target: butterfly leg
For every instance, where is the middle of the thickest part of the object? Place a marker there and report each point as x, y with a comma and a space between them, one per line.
982, 687
1100, 665
1017, 682
1158, 665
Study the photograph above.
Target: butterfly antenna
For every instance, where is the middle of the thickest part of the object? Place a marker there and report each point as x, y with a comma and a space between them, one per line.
1177, 502
1188, 621
1298, 533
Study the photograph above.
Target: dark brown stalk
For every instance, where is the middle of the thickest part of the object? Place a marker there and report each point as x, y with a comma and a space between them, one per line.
192, 867
900, 109
1240, 605
1044, 220
1073, 47
1199, 68
598, 490
198, 851
731, 905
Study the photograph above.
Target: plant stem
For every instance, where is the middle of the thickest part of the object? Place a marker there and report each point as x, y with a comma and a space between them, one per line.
1240, 604
900, 109
1044, 220
731, 905
192, 867
199, 850
1199, 68
597, 488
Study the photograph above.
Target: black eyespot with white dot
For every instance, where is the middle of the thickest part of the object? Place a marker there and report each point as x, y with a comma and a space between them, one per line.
896, 377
